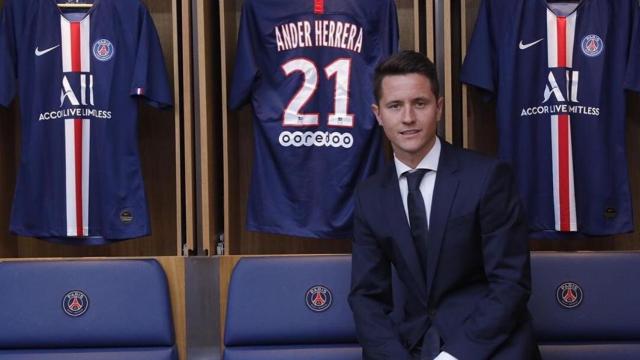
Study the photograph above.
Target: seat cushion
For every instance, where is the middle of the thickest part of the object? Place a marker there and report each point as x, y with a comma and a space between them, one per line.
126, 301
318, 352
168, 353
267, 302
590, 351
605, 308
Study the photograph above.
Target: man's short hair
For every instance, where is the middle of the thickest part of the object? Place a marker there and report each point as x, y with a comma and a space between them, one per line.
404, 63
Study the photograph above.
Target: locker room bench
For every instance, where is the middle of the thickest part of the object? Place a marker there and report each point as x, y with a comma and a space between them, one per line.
605, 324
267, 315
85, 309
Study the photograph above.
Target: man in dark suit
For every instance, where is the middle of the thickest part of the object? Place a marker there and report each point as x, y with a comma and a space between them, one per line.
451, 223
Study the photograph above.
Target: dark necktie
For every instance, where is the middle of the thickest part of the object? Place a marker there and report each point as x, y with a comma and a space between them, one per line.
419, 231
417, 214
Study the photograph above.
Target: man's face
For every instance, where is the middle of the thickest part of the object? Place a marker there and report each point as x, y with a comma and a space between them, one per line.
409, 112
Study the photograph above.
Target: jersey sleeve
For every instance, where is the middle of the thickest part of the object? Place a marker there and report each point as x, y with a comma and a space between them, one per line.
632, 73
245, 71
7, 57
391, 29
150, 75
480, 64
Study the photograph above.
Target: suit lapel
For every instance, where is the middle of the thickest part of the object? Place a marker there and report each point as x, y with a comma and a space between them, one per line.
401, 231
443, 194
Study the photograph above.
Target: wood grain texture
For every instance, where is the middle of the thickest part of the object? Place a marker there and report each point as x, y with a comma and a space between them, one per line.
407, 24
209, 104
8, 166
174, 268
186, 52
227, 263
228, 35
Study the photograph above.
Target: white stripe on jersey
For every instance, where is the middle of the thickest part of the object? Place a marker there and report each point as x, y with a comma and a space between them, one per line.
85, 44
552, 40
86, 156
77, 153
561, 144
70, 163
65, 35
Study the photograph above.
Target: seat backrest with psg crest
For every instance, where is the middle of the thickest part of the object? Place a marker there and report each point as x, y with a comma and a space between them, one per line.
85, 309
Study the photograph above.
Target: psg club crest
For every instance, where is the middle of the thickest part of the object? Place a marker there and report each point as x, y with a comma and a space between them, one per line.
103, 50
75, 303
592, 45
319, 298
569, 295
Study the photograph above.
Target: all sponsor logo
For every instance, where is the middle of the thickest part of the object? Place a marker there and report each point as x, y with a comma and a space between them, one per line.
561, 96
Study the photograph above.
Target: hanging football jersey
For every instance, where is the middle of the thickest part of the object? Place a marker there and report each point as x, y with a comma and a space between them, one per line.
559, 72
80, 75
307, 67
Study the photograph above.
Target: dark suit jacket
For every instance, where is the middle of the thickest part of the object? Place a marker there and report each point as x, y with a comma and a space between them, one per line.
477, 280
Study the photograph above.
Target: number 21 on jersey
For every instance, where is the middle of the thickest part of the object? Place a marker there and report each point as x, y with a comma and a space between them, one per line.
340, 69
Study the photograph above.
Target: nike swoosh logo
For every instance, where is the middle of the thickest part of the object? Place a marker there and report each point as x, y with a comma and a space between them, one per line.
40, 53
523, 46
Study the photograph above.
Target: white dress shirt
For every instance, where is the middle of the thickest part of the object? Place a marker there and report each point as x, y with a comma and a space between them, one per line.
429, 162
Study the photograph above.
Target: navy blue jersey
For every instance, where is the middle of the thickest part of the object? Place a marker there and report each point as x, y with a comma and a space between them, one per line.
307, 67
79, 77
559, 73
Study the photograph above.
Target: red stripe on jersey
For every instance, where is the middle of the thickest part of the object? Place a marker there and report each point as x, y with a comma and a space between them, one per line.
562, 41
318, 6
75, 47
77, 124
563, 164
563, 137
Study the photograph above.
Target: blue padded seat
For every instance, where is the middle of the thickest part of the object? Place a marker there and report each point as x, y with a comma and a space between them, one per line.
606, 323
293, 352
268, 316
128, 312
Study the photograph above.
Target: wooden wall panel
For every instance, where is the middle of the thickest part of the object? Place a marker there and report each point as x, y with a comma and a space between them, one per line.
407, 24
157, 140
238, 151
174, 268
227, 264
481, 134
210, 145
8, 144
9, 158
183, 33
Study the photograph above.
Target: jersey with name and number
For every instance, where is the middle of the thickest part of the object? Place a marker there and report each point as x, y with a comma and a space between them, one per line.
559, 72
78, 74
307, 67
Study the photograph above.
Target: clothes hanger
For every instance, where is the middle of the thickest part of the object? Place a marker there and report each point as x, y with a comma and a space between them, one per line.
74, 6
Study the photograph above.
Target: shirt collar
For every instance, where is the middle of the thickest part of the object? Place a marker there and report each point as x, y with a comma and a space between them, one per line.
429, 161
